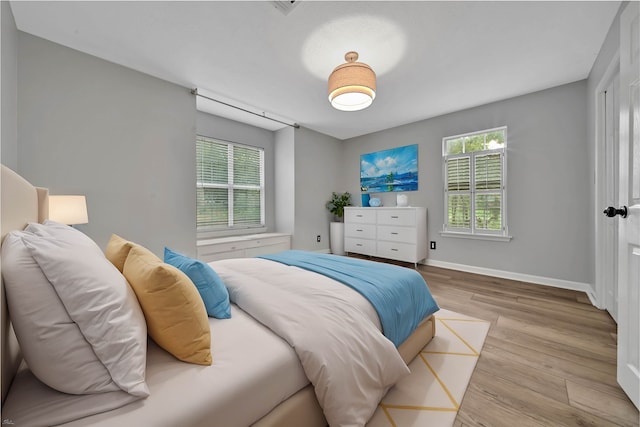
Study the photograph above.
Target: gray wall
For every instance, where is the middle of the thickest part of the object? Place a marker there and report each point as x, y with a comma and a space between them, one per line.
9, 89
285, 180
547, 175
308, 171
318, 172
122, 138
230, 130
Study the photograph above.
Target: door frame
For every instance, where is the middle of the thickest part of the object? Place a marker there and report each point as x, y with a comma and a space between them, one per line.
628, 364
606, 262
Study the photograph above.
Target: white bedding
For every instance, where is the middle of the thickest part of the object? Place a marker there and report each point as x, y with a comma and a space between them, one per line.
337, 338
253, 371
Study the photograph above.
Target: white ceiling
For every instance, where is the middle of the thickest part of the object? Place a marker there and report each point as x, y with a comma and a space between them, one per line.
431, 58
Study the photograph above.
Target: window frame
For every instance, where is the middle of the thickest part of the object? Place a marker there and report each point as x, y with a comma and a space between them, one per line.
231, 228
472, 232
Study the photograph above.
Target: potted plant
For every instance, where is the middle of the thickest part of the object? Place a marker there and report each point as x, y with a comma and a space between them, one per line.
336, 232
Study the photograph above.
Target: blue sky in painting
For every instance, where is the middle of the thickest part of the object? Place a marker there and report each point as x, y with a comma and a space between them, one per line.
397, 160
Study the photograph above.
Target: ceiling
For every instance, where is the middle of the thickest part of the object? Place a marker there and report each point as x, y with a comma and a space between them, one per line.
431, 58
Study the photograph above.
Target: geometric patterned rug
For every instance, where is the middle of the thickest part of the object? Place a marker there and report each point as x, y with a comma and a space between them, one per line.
431, 395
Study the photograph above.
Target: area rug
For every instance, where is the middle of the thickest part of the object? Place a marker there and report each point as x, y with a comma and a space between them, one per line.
440, 374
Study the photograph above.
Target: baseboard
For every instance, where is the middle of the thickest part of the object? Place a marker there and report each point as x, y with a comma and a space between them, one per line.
540, 280
594, 301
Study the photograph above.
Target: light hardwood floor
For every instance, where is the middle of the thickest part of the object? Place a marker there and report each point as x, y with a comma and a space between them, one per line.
549, 358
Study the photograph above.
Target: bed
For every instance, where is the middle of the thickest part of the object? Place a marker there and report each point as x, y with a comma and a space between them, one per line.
256, 378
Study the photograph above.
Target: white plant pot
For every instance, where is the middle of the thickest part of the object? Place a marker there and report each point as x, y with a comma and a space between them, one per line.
336, 238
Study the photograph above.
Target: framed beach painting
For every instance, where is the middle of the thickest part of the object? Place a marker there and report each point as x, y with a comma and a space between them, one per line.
395, 169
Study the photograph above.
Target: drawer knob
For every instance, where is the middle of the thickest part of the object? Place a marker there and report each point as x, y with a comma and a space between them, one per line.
359, 244
359, 216
359, 230
394, 233
394, 249
394, 216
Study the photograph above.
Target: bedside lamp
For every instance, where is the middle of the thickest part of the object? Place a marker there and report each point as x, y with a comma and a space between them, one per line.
70, 210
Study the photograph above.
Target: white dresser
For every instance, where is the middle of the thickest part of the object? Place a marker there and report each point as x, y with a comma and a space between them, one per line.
242, 246
396, 233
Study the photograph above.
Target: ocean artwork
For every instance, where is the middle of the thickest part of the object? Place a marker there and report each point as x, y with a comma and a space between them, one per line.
395, 169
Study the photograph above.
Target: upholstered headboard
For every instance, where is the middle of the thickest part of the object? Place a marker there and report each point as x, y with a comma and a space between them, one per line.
21, 203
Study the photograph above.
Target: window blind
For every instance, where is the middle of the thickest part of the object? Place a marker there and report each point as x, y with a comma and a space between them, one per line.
488, 172
230, 184
212, 161
458, 174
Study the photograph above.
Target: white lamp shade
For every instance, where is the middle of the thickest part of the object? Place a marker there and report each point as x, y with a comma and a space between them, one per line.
68, 210
359, 99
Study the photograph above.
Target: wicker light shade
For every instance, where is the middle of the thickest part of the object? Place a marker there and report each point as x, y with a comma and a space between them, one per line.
352, 86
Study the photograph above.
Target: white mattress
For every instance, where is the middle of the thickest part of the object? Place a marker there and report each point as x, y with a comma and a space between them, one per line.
253, 371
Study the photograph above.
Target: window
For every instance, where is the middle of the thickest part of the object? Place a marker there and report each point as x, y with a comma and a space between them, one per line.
230, 185
475, 184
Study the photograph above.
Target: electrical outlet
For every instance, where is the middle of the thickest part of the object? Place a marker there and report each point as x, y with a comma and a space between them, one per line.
318, 238
433, 245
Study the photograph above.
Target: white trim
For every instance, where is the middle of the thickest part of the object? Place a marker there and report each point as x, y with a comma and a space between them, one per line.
476, 236
594, 302
229, 232
540, 280
473, 191
477, 132
600, 180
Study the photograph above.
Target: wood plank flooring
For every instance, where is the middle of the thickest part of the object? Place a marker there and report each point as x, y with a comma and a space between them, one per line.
549, 358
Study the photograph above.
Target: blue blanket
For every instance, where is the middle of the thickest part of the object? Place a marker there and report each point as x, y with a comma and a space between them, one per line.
400, 295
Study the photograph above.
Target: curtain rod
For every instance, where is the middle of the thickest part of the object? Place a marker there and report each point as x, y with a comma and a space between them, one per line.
263, 115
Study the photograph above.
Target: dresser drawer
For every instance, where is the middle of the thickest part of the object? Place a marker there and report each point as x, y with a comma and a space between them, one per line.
396, 234
360, 246
397, 217
362, 216
396, 250
362, 231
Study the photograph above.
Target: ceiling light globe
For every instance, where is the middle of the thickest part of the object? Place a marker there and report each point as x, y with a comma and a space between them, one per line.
354, 99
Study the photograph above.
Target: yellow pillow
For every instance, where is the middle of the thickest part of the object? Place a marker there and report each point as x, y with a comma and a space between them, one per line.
117, 251
176, 316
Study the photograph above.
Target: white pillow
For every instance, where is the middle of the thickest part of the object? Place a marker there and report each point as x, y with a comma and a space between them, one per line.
51, 343
96, 297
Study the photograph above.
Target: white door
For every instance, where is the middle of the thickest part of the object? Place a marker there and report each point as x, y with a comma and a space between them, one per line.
629, 196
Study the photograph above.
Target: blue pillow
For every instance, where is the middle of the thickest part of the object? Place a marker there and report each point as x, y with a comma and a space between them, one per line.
212, 290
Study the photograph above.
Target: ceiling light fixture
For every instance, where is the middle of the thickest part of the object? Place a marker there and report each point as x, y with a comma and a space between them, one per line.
352, 86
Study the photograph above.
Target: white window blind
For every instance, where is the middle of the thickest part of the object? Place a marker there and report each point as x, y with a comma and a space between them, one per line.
230, 185
475, 187
459, 192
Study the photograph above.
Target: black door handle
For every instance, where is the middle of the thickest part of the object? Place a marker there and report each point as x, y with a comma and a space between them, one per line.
611, 212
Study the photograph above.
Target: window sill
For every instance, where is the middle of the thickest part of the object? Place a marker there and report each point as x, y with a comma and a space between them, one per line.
240, 238
229, 232
492, 237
